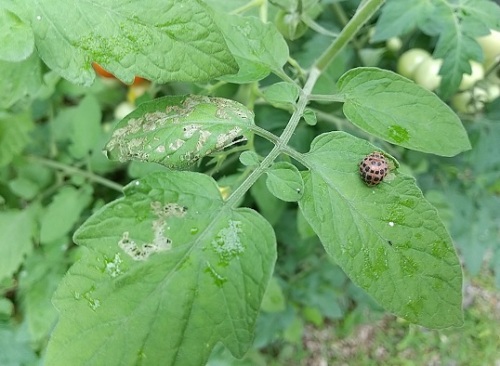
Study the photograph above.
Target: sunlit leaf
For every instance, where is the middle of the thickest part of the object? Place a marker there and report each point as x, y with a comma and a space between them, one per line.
397, 110
24, 79
388, 239
161, 41
169, 271
14, 135
16, 233
16, 37
63, 212
284, 182
257, 47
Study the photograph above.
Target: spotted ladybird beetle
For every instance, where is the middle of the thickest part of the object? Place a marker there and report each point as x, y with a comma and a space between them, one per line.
373, 168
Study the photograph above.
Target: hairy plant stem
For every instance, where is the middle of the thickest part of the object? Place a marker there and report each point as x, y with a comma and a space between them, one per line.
363, 14
72, 170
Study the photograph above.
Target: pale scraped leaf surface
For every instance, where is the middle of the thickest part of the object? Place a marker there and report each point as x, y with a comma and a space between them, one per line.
161, 40
168, 272
177, 131
388, 239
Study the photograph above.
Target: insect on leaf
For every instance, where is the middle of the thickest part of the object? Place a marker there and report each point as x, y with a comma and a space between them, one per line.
388, 239
397, 110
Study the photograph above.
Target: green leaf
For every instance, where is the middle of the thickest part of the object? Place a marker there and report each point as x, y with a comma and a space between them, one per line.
310, 117
6, 308
250, 158
30, 179
16, 37
274, 300
285, 182
400, 17
169, 271
313, 315
24, 79
36, 287
456, 49
14, 135
257, 47
457, 27
269, 206
484, 12
304, 229
16, 348
456, 24
163, 41
85, 121
176, 131
294, 332
24, 188
63, 212
388, 239
282, 94
397, 110
16, 232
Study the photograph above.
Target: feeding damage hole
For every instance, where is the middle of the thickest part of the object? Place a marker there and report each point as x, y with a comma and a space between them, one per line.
113, 266
160, 242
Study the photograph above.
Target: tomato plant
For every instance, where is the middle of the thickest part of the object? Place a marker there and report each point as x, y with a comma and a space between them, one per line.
409, 61
229, 198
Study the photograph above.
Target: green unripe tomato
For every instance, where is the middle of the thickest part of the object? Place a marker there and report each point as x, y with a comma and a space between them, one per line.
470, 101
123, 109
290, 25
493, 74
427, 74
493, 92
491, 46
394, 44
410, 60
468, 80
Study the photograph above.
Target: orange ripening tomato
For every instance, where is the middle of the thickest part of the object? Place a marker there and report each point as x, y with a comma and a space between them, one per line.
102, 72
107, 75
138, 80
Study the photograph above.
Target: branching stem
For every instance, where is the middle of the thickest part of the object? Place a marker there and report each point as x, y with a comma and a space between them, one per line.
364, 13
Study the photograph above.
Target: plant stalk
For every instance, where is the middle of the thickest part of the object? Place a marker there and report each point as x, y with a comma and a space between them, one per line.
363, 14
72, 170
